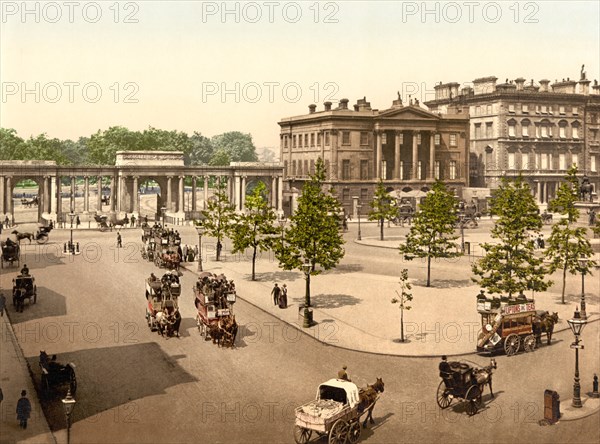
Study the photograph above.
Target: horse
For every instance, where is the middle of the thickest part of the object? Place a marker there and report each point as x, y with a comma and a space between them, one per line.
544, 323
122, 222
483, 376
229, 329
21, 236
367, 398
585, 191
19, 299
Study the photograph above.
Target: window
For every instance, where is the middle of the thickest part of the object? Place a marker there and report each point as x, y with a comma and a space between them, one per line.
511, 129
294, 141
544, 109
574, 159
319, 139
436, 139
561, 109
593, 163
420, 170
453, 139
437, 169
525, 161
511, 107
285, 141
477, 130
488, 130
384, 170
489, 109
327, 138
293, 167
511, 161
364, 170
418, 138
384, 138
306, 140
285, 168
364, 138
345, 169
544, 165
312, 166
525, 128
544, 129
345, 194
525, 108
312, 139
575, 110
300, 138
401, 136
452, 169
562, 132
345, 137
401, 169
477, 110
364, 194
537, 109
575, 131
562, 162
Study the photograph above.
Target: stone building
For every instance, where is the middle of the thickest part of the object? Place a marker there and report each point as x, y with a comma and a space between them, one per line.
405, 145
537, 129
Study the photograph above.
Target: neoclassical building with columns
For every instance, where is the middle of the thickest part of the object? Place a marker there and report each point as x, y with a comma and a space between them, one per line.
405, 145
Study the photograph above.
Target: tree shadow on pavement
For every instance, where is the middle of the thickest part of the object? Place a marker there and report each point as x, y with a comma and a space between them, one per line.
277, 276
576, 298
379, 421
49, 304
461, 406
444, 283
187, 325
345, 268
326, 301
108, 378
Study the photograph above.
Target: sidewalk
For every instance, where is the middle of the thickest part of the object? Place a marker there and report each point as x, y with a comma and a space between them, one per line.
14, 377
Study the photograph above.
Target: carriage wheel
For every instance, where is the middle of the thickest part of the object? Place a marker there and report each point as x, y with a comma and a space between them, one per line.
301, 435
339, 432
34, 294
472, 223
103, 228
443, 396
472, 399
512, 344
529, 343
354, 432
42, 239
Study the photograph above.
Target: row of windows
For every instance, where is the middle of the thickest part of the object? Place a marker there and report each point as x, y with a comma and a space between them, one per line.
543, 109
545, 161
314, 139
543, 129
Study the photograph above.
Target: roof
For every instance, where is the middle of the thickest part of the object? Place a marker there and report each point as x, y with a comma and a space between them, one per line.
349, 387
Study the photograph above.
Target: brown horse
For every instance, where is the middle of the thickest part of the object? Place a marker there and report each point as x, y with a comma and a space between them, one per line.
21, 236
544, 323
368, 398
483, 376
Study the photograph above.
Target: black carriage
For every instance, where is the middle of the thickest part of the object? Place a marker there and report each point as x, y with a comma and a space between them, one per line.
459, 381
42, 234
405, 213
10, 254
55, 374
24, 288
546, 218
101, 220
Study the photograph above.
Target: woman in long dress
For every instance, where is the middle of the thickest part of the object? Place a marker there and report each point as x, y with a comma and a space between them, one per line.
283, 297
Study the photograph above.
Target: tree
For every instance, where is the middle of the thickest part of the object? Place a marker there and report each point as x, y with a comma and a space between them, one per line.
432, 232
201, 150
510, 266
12, 147
220, 158
567, 243
255, 228
382, 207
237, 145
103, 145
403, 298
313, 235
219, 215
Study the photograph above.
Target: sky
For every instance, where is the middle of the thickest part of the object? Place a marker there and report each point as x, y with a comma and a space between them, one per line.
69, 69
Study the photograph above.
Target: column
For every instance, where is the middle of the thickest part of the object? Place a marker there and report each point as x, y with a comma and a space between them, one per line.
2, 197
236, 197
545, 192
538, 191
273, 192
280, 193
99, 203
72, 199
113, 193
136, 192
120, 186
229, 188
333, 175
194, 193
205, 190
52, 199
168, 203
180, 207
415, 156
432, 155
397, 155
59, 198
322, 146
46, 196
378, 155
9, 201
86, 194
243, 196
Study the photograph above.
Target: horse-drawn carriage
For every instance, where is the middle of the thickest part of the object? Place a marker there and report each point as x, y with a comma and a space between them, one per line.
148, 250
55, 374
24, 288
510, 325
336, 411
162, 308
102, 221
11, 253
546, 218
34, 202
214, 299
461, 380
405, 213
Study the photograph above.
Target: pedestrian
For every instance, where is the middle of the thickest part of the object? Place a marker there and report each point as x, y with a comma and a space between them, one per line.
185, 253
110, 224
6, 222
275, 293
343, 375
146, 219
77, 222
132, 221
592, 217
23, 410
196, 251
1, 394
2, 304
283, 297
119, 241
345, 224
541, 242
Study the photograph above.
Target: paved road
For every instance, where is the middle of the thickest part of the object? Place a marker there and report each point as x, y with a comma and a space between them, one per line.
135, 386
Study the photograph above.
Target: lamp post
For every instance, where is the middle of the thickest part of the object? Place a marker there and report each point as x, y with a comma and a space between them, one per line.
68, 406
577, 324
282, 223
462, 236
358, 207
200, 231
71, 245
307, 267
582, 266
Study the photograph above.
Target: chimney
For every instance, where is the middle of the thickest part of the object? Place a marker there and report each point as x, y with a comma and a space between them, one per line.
343, 104
312, 109
584, 87
520, 83
596, 88
544, 85
327, 106
355, 107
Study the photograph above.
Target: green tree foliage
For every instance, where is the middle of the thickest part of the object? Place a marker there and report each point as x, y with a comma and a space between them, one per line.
201, 150
238, 146
382, 207
255, 228
103, 145
12, 147
313, 234
219, 215
510, 266
568, 243
432, 232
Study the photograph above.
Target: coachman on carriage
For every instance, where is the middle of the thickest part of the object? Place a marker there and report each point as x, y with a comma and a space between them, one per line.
162, 309
214, 299
24, 288
510, 325
55, 374
10, 252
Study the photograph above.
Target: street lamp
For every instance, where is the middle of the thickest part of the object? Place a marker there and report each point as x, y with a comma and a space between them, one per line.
307, 267
577, 324
68, 406
200, 231
358, 207
582, 266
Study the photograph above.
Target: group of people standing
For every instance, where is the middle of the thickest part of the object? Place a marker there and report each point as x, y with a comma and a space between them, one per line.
279, 295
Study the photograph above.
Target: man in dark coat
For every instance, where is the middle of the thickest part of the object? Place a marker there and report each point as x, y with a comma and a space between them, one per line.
343, 375
275, 293
23, 410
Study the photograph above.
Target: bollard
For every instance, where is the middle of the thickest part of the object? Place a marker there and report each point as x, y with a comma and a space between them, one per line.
551, 406
65, 248
595, 393
77, 248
